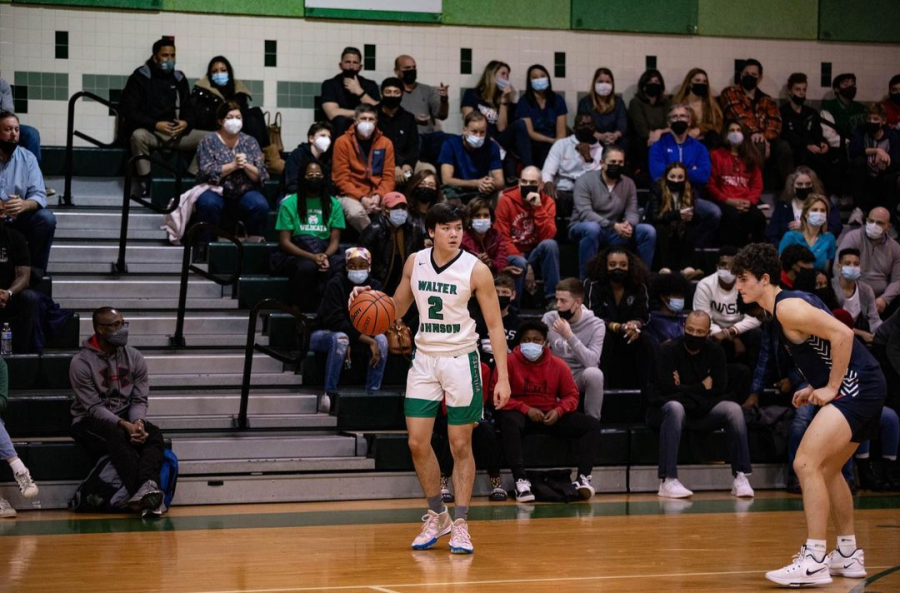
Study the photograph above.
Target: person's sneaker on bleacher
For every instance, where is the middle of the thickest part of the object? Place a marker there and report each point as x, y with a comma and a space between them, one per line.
672, 488
446, 495
434, 527
584, 487
498, 494
6, 510
148, 496
324, 403
26, 485
523, 491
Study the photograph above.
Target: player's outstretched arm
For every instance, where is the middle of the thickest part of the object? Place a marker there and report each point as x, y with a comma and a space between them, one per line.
483, 285
799, 316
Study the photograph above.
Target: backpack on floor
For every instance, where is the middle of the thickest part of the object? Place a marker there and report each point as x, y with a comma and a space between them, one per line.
102, 491
168, 476
554, 485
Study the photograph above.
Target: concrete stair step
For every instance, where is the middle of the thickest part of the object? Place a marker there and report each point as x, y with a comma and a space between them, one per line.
225, 323
109, 234
262, 403
208, 363
189, 380
63, 252
106, 219
193, 340
253, 466
128, 304
105, 267
245, 446
129, 287
228, 421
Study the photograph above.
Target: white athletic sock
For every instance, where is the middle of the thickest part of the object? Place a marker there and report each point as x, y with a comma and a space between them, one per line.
846, 544
17, 466
817, 547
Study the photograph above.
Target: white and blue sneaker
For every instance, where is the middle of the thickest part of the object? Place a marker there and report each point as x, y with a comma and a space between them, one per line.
805, 571
852, 566
435, 526
460, 542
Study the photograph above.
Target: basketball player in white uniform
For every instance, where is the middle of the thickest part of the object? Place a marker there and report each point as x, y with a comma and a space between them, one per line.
445, 366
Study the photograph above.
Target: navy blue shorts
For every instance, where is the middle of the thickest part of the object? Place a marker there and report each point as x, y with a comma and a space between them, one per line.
863, 414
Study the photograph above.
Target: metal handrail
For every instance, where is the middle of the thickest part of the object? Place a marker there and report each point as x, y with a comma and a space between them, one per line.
252, 346
177, 340
71, 132
120, 267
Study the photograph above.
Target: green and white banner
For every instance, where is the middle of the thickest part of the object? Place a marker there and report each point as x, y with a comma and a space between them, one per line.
419, 11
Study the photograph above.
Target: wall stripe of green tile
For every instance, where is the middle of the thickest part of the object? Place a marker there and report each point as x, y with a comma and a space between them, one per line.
44, 86
289, 8
125, 4
857, 20
297, 95
650, 16
533, 14
772, 19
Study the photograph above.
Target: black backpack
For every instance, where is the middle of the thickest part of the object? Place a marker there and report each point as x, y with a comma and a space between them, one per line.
102, 491
554, 485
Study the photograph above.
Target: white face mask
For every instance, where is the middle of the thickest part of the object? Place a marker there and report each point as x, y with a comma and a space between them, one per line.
603, 89
502, 83
725, 275
873, 231
357, 276
398, 217
475, 141
365, 128
735, 138
323, 143
481, 225
233, 126
816, 219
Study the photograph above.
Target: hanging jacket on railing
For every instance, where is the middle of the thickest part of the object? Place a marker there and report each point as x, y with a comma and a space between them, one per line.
176, 221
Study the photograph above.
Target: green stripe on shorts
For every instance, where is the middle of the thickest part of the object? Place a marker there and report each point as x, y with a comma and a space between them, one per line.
475, 410
420, 408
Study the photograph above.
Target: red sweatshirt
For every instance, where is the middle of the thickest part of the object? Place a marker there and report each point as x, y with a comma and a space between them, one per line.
491, 243
520, 225
546, 384
730, 179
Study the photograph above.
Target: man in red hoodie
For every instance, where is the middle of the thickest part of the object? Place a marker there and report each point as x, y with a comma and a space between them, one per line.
526, 220
544, 398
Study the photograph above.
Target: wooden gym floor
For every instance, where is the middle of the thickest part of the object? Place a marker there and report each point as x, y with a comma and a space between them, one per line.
616, 543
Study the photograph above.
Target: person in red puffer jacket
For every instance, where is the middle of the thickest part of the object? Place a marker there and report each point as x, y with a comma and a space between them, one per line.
544, 399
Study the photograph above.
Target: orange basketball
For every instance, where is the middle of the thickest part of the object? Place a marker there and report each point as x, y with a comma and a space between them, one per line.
372, 313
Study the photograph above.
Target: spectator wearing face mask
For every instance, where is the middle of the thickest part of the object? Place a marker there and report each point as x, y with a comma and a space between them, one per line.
506, 293
541, 118
736, 184
892, 103
843, 112
706, 113
667, 322
875, 161
813, 232
422, 192
348, 90
608, 111
495, 98
317, 149
335, 335
648, 111
430, 106
569, 159
671, 211
879, 258
470, 165
391, 238
854, 296
794, 260
802, 127
576, 336
482, 240
800, 184
400, 127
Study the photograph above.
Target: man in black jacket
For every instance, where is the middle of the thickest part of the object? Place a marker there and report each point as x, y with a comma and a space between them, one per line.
391, 237
156, 109
343, 93
802, 128
692, 391
400, 126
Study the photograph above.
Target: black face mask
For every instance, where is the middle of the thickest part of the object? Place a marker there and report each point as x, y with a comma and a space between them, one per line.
391, 102
425, 195
566, 315
699, 89
798, 100
619, 276
8, 147
848, 93
678, 127
676, 187
872, 128
803, 192
694, 343
613, 171
895, 98
527, 189
504, 302
585, 135
748, 83
653, 89
314, 185
409, 76
349, 73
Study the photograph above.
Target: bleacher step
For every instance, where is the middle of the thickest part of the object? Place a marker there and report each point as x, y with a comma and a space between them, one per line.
192, 447
129, 304
129, 287
227, 380
227, 421
63, 252
258, 466
195, 324
58, 269
261, 403
107, 219
208, 363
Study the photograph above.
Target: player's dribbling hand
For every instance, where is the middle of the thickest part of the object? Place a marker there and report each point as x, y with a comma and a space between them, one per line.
801, 398
501, 394
822, 396
358, 290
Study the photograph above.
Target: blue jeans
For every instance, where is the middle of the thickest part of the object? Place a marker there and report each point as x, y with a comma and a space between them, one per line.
708, 216
252, 209
7, 451
545, 255
803, 417
591, 237
30, 138
889, 435
335, 345
39, 228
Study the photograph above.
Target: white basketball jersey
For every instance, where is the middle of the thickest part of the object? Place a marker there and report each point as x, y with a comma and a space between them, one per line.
442, 296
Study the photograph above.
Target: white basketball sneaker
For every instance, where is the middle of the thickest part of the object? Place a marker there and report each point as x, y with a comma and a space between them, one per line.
672, 488
741, 487
852, 566
523, 491
805, 571
460, 542
434, 527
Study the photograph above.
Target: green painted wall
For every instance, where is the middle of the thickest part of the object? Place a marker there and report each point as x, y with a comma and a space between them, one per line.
859, 20
287, 8
126, 4
774, 19
531, 14
677, 17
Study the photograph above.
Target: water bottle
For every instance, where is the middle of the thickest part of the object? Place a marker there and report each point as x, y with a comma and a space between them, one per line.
6, 341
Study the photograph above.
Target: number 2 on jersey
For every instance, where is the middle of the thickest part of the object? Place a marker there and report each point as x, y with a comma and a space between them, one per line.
435, 304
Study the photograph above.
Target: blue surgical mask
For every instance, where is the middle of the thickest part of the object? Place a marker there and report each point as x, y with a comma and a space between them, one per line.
502, 83
481, 225
816, 219
357, 276
531, 351
167, 66
851, 272
220, 78
475, 141
676, 305
540, 84
398, 217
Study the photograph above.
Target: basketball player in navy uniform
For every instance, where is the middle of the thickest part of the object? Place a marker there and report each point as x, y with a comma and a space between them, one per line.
441, 280
848, 385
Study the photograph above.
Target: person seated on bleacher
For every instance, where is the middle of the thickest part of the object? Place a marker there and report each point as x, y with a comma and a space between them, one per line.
19, 306
470, 163
7, 452
111, 384
606, 109
220, 85
363, 167
506, 293
233, 166
526, 219
885, 348
495, 98
616, 291
794, 259
875, 161
481, 239
717, 296
813, 232
802, 128
736, 184
348, 90
391, 238
576, 336
29, 137
879, 258
667, 323
671, 211
606, 212
706, 114
544, 399
157, 112
569, 159
692, 391
843, 112
892, 103
855, 296
335, 334
429, 105
648, 114
540, 118
400, 127
800, 184
422, 192
309, 228
23, 199
317, 149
